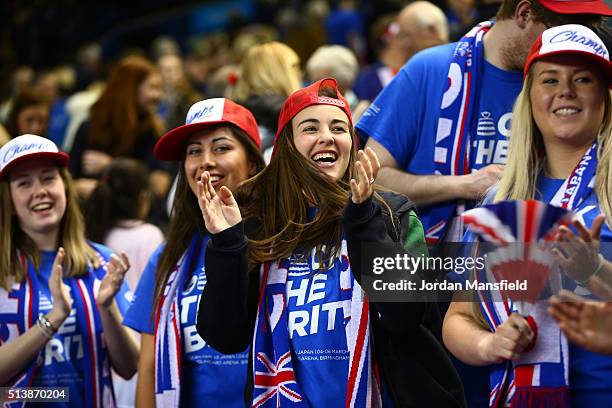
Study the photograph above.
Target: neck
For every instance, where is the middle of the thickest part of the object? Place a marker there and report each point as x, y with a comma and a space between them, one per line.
501, 33
561, 160
45, 241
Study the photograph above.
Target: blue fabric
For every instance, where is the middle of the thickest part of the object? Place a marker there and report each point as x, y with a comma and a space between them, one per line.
208, 377
590, 373
58, 122
341, 25
367, 85
65, 361
317, 332
406, 125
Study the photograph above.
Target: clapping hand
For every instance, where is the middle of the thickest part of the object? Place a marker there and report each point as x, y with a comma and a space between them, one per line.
366, 170
115, 273
60, 292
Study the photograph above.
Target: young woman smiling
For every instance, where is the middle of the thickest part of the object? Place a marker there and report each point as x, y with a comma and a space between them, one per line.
59, 323
290, 286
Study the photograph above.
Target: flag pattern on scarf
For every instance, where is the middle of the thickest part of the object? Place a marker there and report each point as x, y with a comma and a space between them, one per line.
539, 377
275, 382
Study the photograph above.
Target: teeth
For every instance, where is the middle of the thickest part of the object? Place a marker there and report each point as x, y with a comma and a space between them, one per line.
322, 156
566, 111
214, 179
41, 207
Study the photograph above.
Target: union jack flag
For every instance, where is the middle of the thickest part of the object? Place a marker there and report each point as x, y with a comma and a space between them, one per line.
275, 380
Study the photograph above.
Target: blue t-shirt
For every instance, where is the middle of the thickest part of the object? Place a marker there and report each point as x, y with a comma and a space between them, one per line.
404, 116
590, 373
208, 378
317, 329
61, 363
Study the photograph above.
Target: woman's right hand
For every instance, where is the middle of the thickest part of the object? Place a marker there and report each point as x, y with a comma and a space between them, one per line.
510, 339
62, 300
219, 209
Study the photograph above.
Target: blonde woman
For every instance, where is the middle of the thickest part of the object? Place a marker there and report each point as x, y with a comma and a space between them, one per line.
269, 73
560, 152
59, 322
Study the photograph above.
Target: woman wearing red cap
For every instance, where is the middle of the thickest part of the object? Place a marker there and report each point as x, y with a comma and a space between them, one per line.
59, 322
561, 153
292, 288
176, 366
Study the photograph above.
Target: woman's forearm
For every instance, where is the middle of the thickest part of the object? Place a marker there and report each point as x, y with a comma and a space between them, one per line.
145, 386
122, 348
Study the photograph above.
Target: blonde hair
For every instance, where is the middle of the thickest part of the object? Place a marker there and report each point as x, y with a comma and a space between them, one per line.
268, 69
79, 254
526, 158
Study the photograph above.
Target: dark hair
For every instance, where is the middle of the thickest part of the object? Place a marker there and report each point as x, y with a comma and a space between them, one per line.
117, 197
548, 17
26, 98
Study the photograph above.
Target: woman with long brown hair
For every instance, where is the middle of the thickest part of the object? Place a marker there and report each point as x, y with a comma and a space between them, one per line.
291, 287
59, 293
123, 122
176, 367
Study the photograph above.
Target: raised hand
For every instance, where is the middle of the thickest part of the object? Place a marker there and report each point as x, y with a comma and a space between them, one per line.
366, 170
510, 339
478, 182
578, 255
115, 273
219, 209
586, 323
60, 292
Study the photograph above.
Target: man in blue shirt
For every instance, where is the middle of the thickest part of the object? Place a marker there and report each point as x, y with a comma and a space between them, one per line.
440, 127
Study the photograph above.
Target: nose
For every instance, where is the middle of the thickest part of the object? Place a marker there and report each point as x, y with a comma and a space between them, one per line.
567, 89
39, 189
327, 137
208, 161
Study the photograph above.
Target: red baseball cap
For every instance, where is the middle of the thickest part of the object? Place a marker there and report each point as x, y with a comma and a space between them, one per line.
28, 147
571, 39
577, 6
201, 115
308, 96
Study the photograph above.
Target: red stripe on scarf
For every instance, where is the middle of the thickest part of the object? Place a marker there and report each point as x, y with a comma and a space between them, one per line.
358, 349
91, 347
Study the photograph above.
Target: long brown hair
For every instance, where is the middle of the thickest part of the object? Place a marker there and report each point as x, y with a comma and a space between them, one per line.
116, 120
277, 200
72, 237
186, 219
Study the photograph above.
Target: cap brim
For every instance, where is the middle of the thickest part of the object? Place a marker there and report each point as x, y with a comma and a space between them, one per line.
171, 146
576, 7
60, 158
604, 66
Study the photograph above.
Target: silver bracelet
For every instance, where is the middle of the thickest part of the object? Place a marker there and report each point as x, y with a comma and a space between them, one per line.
46, 326
585, 282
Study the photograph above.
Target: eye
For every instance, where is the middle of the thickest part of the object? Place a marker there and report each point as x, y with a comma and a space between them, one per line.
339, 129
23, 183
222, 148
309, 129
549, 80
583, 79
193, 150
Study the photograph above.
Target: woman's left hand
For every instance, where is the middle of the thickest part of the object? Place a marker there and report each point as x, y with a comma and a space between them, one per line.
366, 169
115, 273
578, 255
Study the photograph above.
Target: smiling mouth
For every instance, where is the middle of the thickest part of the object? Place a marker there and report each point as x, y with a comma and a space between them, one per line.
325, 159
42, 207
567, 111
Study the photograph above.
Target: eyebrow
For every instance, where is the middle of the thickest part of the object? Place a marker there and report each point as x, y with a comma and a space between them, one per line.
554, 71
334, 121
28, 174
216, 139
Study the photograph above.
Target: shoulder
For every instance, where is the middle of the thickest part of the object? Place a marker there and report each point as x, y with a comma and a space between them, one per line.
430, 60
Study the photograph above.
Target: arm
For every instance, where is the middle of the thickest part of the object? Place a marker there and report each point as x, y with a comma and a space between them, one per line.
432, 189
145, 386
226, 314
18, 353
474, 345
122, 348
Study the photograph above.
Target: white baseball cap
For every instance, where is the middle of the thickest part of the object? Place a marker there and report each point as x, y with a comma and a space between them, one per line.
27, 147
572, 39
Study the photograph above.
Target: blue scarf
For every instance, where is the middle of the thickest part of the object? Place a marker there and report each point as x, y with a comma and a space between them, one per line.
21, 312
168, 341
274, 380
451, 154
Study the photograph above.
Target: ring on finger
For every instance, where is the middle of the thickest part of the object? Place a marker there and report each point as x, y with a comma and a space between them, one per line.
371, 180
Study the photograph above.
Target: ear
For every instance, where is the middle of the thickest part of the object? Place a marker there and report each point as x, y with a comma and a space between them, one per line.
523, 13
